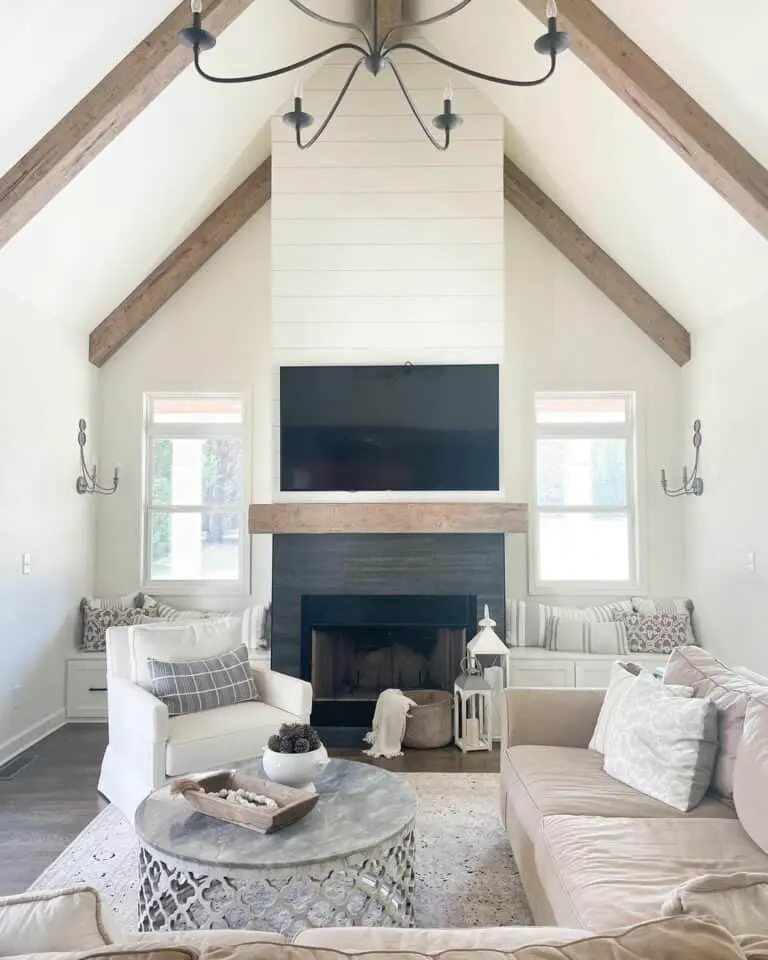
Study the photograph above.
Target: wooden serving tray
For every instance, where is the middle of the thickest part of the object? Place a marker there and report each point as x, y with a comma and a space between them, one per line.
199, 792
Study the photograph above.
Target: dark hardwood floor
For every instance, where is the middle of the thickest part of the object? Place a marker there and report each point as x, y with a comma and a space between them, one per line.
48, 802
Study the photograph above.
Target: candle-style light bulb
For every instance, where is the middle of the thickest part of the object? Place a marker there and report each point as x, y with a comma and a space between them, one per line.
197, 6
448, 92
551, 9
298, 91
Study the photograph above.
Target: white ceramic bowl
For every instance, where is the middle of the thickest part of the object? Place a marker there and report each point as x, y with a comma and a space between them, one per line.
295, 769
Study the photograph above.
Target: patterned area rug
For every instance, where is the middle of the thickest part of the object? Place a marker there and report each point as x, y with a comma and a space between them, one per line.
465, 872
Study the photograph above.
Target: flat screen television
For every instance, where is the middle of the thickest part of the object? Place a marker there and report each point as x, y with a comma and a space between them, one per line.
410, 427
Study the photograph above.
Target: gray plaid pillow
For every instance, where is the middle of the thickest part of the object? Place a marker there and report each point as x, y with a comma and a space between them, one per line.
188, 686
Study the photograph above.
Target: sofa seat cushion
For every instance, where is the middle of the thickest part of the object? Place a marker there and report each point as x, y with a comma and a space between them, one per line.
542, 781
199, 741
603, 872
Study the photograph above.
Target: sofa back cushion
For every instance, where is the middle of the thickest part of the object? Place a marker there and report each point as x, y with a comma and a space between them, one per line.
750, 774
663, 744
731, 693
53, 921
179, 640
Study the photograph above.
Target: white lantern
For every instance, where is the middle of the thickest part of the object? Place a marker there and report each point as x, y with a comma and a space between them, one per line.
487, 647
472, 709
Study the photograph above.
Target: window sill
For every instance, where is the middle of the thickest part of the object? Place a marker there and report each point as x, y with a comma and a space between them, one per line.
196, 588
570, 589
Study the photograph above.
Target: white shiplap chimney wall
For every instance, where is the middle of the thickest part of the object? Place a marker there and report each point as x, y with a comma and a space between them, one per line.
384, 249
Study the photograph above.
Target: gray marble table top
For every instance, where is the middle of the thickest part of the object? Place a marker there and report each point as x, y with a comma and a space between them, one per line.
360, 807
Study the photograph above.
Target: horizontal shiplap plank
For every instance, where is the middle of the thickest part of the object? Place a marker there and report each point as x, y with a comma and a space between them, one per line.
406, 283
418, 76
375, 336
376, 257
385, 153
329, 232
385, 180
399, 129
386, 104
386, 206
379, 311
390, 353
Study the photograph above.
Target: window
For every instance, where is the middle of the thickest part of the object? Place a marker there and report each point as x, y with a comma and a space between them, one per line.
194, 502
585, 525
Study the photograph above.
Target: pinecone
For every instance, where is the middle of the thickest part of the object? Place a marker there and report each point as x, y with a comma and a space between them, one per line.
301, 745
314, 739
274, 743
286, 744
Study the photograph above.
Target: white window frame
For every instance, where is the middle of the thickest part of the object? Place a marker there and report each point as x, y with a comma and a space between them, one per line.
153, 431
628, 431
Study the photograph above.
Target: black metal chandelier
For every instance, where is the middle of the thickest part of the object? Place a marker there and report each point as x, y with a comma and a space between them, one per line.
375, 53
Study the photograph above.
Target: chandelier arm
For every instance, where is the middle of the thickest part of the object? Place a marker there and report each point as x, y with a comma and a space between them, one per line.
427, 132
477, 74
329, 22
331, 113
428, 21
281, 70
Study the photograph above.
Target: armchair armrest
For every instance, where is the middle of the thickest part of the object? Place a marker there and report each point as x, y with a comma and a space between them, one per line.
134, 713
284, 692
557, 717
55, 921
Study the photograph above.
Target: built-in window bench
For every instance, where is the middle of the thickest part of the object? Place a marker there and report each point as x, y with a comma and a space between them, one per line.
536, 667
86, 691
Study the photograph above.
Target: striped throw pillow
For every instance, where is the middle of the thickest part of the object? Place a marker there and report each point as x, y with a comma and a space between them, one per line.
527, 622
189, 686
586, 636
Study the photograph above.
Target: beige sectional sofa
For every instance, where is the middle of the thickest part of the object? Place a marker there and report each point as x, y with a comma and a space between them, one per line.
592, 852
74, 925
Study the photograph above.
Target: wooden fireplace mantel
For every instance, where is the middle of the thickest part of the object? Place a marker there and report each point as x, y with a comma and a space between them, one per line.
388, 518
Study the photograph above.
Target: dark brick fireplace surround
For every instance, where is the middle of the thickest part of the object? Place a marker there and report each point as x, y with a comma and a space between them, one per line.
466, 570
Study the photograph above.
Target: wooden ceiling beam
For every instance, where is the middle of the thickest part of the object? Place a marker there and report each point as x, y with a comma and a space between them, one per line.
554, 224
667, 109
390, 13
102, 114
140, 305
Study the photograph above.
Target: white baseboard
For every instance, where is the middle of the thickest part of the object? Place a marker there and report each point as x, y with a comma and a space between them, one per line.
32, 735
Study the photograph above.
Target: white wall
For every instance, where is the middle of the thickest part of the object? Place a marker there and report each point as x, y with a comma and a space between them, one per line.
563, 334
726, 390
213, 335
45, 387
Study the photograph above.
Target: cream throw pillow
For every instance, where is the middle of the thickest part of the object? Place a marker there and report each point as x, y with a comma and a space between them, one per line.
662, 744
54, 921
739, 901
623, 675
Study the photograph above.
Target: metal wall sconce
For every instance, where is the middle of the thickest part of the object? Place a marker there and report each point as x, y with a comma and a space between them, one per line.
88, 482
693, 485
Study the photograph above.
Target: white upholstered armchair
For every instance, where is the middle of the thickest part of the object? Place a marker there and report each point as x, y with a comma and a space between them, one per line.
147, 746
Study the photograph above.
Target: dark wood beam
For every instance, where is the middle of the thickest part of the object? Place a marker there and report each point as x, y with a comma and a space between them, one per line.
102, 114
667, 109
554, 224
139, 306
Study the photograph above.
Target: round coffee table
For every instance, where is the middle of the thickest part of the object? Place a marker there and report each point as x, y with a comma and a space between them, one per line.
347, 863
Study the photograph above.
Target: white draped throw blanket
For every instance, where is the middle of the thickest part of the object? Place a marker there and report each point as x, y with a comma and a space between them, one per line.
386, 738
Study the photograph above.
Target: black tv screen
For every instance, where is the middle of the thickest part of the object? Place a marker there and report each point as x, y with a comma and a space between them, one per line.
408, 427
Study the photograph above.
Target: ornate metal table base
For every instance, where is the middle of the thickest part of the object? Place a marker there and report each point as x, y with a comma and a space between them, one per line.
374, 888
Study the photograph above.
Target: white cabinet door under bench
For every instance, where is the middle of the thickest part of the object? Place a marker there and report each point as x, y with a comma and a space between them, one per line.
535, 667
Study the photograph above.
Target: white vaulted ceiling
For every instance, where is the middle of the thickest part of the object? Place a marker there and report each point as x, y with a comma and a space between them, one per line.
607, 169
178, 160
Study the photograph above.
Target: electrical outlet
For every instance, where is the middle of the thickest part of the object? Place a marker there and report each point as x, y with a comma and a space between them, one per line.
751, 564
26, 564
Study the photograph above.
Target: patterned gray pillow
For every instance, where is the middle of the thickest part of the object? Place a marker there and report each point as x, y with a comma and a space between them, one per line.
96, 622
656, 632
189, 686
662, 744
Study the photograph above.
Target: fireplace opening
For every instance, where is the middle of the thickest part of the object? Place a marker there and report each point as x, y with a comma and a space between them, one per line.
355, 646
357, 663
